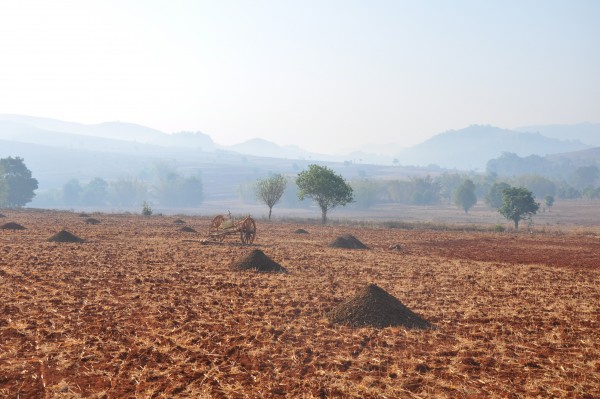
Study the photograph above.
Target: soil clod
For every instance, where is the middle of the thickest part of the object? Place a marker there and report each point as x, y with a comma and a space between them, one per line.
372, 306
301, 231
12, 226
257, 260
348, 241
65, 236
187, 229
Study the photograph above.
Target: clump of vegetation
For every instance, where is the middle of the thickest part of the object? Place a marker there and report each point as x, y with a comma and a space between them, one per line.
146, 209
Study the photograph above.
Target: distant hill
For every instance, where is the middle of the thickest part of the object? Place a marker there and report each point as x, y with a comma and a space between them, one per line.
578, 158
264, 148
470, 148
587, 133
37, 130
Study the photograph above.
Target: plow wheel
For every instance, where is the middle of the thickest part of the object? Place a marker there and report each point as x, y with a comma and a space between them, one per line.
247, 231
215, 227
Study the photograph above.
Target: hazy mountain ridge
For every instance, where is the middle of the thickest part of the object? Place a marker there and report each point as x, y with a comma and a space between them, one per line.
587, 133
470, 148
465, 149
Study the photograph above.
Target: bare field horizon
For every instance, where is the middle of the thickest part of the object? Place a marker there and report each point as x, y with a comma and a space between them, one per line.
564, 215
144, 309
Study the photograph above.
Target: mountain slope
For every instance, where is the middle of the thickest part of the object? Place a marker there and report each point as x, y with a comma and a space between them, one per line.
472, 147
587, 133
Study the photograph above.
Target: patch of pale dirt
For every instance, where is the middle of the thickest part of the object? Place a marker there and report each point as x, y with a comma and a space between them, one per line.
141, 312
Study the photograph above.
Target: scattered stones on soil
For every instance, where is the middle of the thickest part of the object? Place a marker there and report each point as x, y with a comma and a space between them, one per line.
372, 306
257, 260
301, 231
179, 221
65, 236
12, 226
92, 221
348, 241
187, 229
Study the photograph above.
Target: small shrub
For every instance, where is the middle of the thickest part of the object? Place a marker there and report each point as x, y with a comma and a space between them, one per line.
499, 228
146, 209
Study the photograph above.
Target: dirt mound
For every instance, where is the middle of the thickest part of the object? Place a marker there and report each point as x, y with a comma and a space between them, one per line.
179, 221
374, 307
257, 260
301, 231
84, 215
348, 241
92, 221
187, 229
12, 226
65, 236
2, 216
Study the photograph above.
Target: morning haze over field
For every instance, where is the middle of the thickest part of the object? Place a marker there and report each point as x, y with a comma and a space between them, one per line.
299, 199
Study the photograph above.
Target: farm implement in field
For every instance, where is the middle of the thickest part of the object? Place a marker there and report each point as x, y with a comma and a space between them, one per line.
226, 225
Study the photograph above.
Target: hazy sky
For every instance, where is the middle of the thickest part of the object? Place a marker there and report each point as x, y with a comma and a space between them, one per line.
325, 75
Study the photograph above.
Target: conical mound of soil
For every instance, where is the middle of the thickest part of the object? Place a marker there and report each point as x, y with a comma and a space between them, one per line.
374, 307
178, 221
257, 260
348, 241
92, 221
65, 236
12, 226
187, 229
301, 231
2, 215
84, 215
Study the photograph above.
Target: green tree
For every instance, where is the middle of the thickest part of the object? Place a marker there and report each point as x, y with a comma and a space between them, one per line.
71, 192
585, 176
128, 192
325, 187
95, 192
270, 190
18, 180
464, 195
518, 204
494, 196
364, 192
549, 201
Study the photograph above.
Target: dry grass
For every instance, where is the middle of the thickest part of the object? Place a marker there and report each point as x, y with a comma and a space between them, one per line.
138, 311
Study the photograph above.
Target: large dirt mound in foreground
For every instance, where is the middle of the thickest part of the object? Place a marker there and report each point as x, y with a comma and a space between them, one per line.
348, 241
257, 260
65, 236
12, 226
374, 307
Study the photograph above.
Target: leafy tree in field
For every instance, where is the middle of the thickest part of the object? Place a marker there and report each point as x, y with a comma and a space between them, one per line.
71, 192
549, 201
325, 187
17, 178
518, 204
585, 176
95, 192
269, 191
464, 195
128, 192
191, 191
364, 192
494, 196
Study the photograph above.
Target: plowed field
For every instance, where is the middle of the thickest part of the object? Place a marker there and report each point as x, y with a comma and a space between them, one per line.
142, 309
